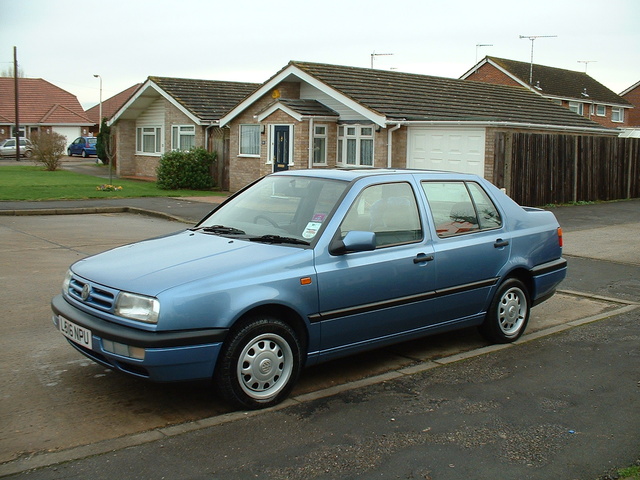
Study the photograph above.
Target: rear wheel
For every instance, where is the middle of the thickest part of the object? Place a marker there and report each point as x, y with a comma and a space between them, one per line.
84, 154
508, 314
259, 363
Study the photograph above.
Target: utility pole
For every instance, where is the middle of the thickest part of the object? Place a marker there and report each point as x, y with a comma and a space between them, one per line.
374, 54
532, 38
15, 81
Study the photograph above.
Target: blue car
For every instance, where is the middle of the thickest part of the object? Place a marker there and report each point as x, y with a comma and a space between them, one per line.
302, 267
84, 146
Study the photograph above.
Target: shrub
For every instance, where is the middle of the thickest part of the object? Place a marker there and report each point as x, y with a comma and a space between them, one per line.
103, 142
48, 149
186, 170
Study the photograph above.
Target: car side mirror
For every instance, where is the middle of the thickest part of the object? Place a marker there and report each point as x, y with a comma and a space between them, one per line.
354, 241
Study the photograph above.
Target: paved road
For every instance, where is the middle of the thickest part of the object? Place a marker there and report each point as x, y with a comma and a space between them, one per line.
528, 411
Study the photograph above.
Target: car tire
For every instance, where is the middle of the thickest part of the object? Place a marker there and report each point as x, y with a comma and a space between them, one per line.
259, 363
28, 154
69, 152
508, 313
84, 154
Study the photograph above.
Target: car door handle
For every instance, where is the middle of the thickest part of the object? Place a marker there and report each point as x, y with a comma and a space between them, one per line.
421, 258
501, 243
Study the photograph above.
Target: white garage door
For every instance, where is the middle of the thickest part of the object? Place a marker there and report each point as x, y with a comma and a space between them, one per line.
71, 133
450, 149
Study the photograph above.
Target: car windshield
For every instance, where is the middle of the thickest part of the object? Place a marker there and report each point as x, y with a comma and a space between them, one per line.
277, 209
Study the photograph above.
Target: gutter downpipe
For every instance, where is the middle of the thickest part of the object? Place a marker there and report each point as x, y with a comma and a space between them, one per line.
310, 142
390, 142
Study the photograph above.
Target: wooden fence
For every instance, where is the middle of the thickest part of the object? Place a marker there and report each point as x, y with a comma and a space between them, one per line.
542, 169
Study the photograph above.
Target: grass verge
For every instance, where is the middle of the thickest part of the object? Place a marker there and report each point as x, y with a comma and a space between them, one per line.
27, 183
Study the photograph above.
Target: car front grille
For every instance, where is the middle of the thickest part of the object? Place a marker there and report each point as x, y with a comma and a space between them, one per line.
91, 294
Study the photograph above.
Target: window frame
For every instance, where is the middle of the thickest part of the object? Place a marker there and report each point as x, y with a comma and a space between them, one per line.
617, 114
350, 145
604, 110
177, 134
256, 135
577, 107
323, 137
157, 135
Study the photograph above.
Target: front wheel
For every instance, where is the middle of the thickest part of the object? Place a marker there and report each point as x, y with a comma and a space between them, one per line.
259, 364
69, 152
508, 314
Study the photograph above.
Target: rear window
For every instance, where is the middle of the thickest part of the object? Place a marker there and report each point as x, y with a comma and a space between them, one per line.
92, 140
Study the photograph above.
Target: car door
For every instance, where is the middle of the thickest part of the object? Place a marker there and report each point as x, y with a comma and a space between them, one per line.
373, 296
471, 247
74, 146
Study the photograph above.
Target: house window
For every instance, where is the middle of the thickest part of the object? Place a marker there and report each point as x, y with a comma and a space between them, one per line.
601, 110
355, 145
250, 140
183, 137
617, 114
577, 107
320, 144
149, 140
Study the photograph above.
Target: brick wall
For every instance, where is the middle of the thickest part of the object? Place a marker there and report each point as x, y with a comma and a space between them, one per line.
489, 74
633, 114
125, 132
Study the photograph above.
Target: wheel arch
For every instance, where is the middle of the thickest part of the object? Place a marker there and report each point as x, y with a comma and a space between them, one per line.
525, 277
283, 313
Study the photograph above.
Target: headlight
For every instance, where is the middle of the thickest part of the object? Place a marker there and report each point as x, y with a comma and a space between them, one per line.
66, 282
137, 307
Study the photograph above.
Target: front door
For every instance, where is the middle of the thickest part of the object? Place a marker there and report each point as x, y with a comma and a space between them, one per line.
280, 148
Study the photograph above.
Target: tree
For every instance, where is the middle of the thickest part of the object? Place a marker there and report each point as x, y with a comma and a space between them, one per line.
48, 149
103, 141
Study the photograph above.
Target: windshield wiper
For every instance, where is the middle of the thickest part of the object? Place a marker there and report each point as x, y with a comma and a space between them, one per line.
221, 229
279, 239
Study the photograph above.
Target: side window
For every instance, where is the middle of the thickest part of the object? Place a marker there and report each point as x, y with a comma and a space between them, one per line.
460, 207
488, 214
389, 210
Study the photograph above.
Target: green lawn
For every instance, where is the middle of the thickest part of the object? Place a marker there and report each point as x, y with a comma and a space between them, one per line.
35, 183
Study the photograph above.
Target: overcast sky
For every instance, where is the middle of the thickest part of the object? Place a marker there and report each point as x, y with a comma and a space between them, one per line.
66, 42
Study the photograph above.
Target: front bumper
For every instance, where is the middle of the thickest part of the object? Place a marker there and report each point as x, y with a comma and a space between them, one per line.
168, 356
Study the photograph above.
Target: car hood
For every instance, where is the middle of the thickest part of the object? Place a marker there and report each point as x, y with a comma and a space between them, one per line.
153, 266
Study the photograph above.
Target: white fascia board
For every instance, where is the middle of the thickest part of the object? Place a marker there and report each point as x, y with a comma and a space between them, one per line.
498, 124
627, 90
116, 116
142, 90
278, 106
473, 69
305, 77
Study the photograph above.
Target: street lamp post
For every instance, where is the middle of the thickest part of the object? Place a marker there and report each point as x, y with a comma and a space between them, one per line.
100, 119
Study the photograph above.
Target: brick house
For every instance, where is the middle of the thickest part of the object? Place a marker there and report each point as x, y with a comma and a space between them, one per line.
632, 95
43, 107
166, 114
311, 115
574, 90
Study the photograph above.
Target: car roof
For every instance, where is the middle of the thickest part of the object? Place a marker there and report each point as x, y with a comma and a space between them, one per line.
356, 173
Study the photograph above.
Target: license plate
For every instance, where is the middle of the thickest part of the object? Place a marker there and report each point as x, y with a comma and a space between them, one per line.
76, 333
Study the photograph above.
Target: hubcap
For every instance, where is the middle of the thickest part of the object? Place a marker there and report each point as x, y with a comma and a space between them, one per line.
264, 366
512, 310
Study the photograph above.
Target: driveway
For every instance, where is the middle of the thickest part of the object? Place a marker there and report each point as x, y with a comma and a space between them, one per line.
55, 402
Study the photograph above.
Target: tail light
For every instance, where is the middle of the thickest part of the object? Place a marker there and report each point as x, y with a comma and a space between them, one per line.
560, 240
